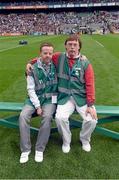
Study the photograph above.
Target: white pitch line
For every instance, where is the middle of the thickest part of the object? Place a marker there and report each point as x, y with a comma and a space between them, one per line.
99, 44
2, 50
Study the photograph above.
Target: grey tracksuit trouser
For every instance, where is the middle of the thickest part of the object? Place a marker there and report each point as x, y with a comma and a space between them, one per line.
44, 130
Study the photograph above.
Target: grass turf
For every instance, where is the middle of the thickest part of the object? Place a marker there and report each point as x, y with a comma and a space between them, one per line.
103, 160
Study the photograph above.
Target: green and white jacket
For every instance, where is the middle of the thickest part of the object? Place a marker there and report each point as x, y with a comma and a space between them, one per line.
71, 82
41, 84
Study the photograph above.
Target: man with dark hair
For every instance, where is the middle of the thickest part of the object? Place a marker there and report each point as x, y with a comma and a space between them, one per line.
42, 91
76, 90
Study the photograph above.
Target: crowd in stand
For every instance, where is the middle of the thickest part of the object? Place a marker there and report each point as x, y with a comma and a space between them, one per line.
56, 23
51, 2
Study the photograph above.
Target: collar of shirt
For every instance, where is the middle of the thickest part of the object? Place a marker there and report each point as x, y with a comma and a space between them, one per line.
41, 64
73, 58
71, 61
45, 67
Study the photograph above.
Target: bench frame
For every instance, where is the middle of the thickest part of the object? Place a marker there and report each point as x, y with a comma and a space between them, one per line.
111, 113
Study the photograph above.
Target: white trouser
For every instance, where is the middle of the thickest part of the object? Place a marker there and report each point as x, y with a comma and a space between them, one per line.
63, 113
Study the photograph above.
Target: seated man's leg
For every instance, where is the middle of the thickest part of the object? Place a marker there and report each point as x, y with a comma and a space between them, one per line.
24, 125
44, 131
88, 127
62, 120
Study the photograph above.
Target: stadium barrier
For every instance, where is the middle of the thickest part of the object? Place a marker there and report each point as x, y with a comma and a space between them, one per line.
11, 34
110, 114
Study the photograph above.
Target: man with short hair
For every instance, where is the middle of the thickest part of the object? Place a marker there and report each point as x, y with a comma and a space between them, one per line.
75, 92
42, 91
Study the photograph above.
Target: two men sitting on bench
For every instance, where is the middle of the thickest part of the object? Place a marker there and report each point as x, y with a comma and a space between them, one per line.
75, 91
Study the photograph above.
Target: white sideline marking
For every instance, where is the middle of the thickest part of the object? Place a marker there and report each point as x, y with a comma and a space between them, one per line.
99, 44
2, 50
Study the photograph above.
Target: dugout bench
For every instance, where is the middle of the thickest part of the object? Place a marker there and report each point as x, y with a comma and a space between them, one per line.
110, 113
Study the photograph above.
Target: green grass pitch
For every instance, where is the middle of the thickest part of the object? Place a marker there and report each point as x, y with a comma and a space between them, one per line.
103, 161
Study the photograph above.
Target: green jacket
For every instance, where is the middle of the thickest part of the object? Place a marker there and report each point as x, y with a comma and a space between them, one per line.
45, 83
71, 82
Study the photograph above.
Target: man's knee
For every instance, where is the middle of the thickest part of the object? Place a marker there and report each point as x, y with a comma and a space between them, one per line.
92, 123
46, 123
25, 117
60, 118
47, 116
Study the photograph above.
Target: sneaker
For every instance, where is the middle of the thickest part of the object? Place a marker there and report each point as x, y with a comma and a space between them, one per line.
24, 157
86, 147
66, 148
38, 156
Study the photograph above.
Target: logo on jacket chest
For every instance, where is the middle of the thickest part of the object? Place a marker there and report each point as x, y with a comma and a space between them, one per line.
76, 71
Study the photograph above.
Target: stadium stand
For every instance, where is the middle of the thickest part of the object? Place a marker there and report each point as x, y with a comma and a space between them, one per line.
58, 17
65, 2
59, 23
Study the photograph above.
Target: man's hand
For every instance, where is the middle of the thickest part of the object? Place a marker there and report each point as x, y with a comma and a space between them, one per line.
39, 111
28, 68
92, 112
